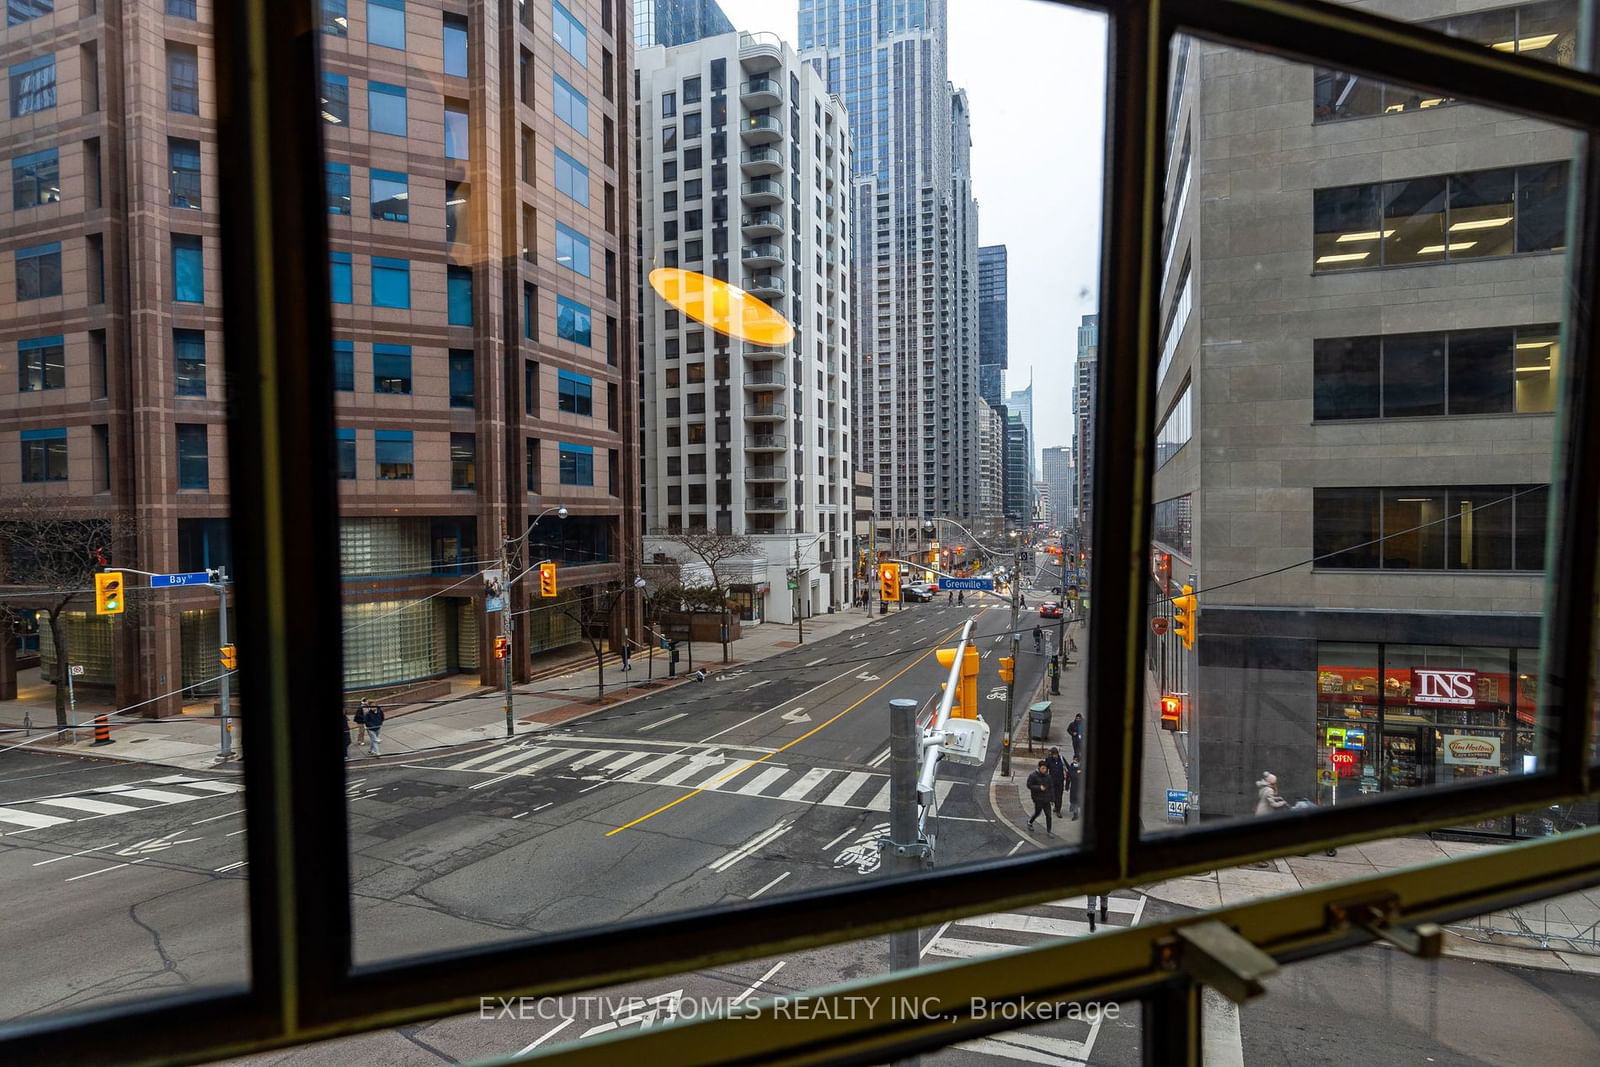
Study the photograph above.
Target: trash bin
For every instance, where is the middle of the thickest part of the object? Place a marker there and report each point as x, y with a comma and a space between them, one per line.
1039, 721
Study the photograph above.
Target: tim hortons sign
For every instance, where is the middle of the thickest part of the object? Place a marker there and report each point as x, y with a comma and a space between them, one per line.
1446, 689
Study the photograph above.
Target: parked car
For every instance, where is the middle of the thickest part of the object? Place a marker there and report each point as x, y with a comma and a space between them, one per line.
1049, 610
919, 592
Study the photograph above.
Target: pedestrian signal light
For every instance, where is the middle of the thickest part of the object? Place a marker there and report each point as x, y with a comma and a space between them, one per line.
502, 647
108, 598
229, 655
1184, 609
1008, 669
965, 705
547, 579
889, 581
1171, 710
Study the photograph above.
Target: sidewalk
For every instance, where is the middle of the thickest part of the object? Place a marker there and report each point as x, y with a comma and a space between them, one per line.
1008, 797
190, 742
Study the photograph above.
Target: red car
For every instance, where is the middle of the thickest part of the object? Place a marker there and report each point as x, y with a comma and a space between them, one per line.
1049, 610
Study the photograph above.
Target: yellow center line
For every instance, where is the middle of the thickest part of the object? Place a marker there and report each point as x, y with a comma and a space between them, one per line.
820, 726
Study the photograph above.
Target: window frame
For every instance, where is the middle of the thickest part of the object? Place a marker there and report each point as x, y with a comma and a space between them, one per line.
387, 91
304, 983
33, 168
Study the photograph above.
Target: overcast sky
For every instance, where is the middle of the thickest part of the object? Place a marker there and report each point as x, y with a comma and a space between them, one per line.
1034, 74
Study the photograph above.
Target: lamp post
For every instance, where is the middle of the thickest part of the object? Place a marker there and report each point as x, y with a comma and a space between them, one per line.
1016, 641
799, 613
508, 547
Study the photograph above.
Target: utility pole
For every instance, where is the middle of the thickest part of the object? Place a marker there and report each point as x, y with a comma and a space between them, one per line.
904, 847
225, 690
1016, 641
508, 579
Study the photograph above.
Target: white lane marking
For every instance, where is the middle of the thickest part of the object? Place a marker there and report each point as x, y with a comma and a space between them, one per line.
541, 807
214, 818
934, 940
725, 775
559, 755
103, 870
1026, 924
234, 833
755, 785
593, 757
808, 781
769, 885
519, 815
548, 1034
757, 984
494, 753
94, 807
814, 662
880, 802
744, 851
74, 855
1120, 905
1031, 1048
736, 725
1014, 848
209, 785
878, 760
32, 820
845, 789
836, 840
1220, 1040
652, 767
796, 716
162, 796
663, 722
230, 867
758, 685
520, 756
778, 705
695, 765
624, 760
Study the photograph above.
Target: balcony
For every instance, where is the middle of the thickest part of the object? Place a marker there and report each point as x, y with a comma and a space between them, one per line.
764, 285
759, 192
761, 160
766, 411
775, 473
762, 256
763, 352
766, 442
762, 224
760, 51
766, 379
766, 503
761, 129
761, 92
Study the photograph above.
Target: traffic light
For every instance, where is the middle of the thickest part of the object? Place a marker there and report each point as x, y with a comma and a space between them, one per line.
229, 655
1171, 711
502, 647
889, 581
965, 705
547, 579
1008, 669
108, 598
1184, 609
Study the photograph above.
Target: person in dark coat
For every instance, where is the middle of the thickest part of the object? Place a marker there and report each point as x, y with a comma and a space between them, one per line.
1058, 776
346, 722
1075, 731
374, 720
1039, 790
1074, 788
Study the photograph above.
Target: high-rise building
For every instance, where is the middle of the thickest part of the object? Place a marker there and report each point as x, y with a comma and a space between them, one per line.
916, 335
1018, 486
454, 275
1085, 376
674, 22
993, 323
1355, 420
744, 165
1059, 475
1020, 404
991, 470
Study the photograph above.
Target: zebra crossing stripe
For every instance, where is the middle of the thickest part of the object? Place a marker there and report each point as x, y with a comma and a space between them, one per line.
652, 767
881, 801
961, 949
593, 757
695, 765
160, 796
808, 781
520, 756
484, 757
845, 789
721, 777
1033, 1048
626, 759
762, 780
93, 807
1117, 905
1027, 924
31, 819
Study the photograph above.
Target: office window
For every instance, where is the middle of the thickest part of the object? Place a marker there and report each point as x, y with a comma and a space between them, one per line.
577, 464
335, 99
335, 19
669, 105
572, 250
20, 11
692, 190
530, 311
525, 76
463, 386
530, 387
193, 457
391, 196
531, 446
455, 45
691, 159
691, 125
719, 74
669, 201
36, 179
33, 86
691, 90
719, 115
338, 187
608, 140
386, 23
572, 320
339, 277
391, 369
669, 138
345, 437
575, 393
570, 34
393, 455
183, 79
41, 363
391, 282
459, 295
606, 65
572, 107
456, 213
386, 106
188, 270
189, 362
183, 9
1460, 372
183, 181
344, 366
572, 178
1474, 527
463, 461
44, 455
457, 136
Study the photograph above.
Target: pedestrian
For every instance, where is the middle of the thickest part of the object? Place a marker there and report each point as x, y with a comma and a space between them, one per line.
374, 728
699, 675
949, 598
1268, 800
1104, 904
961, 598
346, 733
1074, 788
1039, 790
361, 723
1075, 731
1038, 639
1058, 776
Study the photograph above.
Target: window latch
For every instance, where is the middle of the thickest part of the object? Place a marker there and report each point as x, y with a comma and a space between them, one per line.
1214, 954
1378, 918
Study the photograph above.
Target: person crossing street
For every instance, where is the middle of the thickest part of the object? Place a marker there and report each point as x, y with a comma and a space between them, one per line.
1039, 790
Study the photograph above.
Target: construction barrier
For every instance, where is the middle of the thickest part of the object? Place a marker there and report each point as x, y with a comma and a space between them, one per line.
102, 730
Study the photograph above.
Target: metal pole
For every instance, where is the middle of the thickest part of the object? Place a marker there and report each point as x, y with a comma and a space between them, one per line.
72, 696
506, 583
225, 689
905, 848
1011, 687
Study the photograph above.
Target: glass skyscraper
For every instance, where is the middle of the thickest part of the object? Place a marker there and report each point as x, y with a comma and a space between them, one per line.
675, 22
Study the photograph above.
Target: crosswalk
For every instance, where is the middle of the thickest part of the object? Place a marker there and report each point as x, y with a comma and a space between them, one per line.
1064, 1042
710, 770
19, 816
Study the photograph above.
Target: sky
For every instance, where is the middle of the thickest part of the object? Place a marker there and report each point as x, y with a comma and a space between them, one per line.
1034, 73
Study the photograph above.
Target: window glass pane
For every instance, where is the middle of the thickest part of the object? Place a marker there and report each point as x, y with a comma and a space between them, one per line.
1339, 95
36, 179
33, 86
339, 277
193, 461
1346, 225
338, 188
1413, 220
571, 106
335, 18
386, 106
459, 296
456, 133
391, 196
188, 270
183, 160
1542, 207
391, 369
1480, 372
335, 99
393, 452
189, 362
344, 366
183, 79
1478, 524
463, 388
572, 320
1345, 375
569, 33
1346, 528
1413, 529
386, 23
572, 178
346, 444
572, 250
1532, 507
1480, 214
455, 45
391, 282
1413, 375
1537, 356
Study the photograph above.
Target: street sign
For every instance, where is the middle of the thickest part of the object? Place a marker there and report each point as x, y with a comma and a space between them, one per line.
1177, 803
76, 669
792, 584
1158, 625
952, 584
164, 581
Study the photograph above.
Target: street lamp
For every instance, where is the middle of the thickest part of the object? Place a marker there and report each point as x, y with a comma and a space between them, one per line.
508, 546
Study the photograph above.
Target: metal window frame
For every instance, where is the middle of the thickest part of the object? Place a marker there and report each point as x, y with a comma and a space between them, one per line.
304, 983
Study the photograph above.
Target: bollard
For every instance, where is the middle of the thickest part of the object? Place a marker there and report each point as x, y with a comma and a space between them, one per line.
102, 730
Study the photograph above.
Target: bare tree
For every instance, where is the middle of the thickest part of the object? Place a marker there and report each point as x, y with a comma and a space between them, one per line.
714, 551
49, 554
592, 612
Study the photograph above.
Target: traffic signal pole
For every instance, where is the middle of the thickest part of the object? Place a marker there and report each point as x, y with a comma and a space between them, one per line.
506, 624
1016, 642
224, 688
